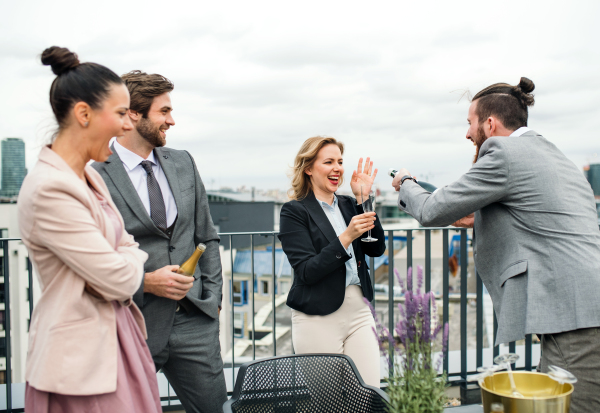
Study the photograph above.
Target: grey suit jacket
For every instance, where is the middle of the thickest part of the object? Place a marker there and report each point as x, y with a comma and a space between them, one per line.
193, 225
537, 243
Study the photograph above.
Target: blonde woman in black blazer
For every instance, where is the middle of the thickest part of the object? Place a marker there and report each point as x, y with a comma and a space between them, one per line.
320, 233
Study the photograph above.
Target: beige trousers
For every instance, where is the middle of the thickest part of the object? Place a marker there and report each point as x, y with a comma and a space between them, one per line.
347, 331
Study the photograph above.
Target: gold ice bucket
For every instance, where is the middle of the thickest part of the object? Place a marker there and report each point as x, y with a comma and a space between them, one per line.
537, 389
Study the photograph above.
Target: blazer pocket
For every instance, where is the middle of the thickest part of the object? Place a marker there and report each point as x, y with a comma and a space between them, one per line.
187, 191
77, 323
514, 269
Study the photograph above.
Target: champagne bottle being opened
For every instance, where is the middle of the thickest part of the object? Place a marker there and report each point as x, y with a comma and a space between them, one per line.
189, 266
425, 185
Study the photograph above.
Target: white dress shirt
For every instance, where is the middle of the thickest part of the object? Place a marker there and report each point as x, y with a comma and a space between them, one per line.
520, 131
339, 225
138, 176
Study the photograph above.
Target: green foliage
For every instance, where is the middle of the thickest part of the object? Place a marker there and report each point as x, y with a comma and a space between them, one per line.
422, 392
415, 385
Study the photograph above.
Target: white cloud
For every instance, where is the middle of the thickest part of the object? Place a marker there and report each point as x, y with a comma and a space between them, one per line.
254, 79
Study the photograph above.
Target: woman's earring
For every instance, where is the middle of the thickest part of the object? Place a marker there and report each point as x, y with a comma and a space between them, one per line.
86, 124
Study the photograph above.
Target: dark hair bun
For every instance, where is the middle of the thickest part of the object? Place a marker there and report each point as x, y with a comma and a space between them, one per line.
526, 85
60, 59
523, 92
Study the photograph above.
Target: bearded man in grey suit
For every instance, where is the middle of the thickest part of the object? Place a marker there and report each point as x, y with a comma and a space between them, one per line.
537, 243
164, 205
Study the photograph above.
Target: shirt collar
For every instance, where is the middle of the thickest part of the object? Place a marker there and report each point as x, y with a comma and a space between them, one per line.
130, 159
325, 204
520, 131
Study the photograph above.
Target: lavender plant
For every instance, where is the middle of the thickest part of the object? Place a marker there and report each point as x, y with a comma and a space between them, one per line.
413, 383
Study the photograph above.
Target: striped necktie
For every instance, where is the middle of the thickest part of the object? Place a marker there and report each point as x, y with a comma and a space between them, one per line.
158, 212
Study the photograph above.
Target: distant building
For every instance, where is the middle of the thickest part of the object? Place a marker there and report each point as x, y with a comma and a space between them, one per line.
13, 166
244, 212
271, 282
592, 173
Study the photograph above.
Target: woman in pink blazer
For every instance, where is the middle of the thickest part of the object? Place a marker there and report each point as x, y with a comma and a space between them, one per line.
87, 350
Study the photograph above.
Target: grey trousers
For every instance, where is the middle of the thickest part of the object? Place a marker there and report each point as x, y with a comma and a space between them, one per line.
192, 362
578, 352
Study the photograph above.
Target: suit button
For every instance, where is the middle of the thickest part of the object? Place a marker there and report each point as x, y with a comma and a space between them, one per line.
338, 255
171, 248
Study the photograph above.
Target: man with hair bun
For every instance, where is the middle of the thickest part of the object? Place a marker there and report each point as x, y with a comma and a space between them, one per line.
164, 205
537, 246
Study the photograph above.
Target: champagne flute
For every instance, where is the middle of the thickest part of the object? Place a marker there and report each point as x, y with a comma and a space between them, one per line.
561, 376
506, 360
368, 204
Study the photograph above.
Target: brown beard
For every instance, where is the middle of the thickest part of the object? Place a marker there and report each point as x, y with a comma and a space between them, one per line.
150, 132
479, 140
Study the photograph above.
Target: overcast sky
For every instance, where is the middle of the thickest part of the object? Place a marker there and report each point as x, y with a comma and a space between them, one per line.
254, 79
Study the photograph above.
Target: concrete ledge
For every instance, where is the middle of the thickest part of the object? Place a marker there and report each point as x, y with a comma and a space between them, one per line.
471, 408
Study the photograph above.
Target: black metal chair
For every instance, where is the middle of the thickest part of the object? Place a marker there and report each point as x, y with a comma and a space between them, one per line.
307, 383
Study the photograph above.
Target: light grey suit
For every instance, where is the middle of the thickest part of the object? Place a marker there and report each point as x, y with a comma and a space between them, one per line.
537, 243
184, 344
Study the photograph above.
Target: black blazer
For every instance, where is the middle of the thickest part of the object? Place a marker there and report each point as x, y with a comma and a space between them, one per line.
318, 257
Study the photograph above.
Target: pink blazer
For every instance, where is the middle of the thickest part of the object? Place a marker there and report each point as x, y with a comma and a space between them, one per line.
73, 335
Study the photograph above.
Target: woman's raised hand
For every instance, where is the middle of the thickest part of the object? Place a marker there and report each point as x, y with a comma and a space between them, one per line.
363, 178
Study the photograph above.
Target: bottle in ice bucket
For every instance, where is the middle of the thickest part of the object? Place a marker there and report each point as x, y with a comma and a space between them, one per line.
189, 266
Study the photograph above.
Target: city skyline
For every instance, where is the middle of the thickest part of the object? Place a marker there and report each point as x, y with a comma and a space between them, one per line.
13, 171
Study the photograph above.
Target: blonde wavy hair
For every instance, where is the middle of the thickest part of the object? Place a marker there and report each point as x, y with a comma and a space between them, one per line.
305, 158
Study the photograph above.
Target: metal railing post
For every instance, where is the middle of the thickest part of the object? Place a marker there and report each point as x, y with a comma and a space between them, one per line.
445, 287
463, 304
372, 276
496, 348
409, 254
479, 321
273, 296
30, 293
511, 349
427, 260
232, 315
528, 345
391, 294
252, 287
6, 269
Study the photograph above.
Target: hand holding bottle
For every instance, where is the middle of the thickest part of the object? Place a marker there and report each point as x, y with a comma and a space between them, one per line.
165, 282
174, 281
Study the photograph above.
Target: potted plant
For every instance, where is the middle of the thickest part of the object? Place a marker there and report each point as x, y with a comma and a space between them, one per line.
414, 382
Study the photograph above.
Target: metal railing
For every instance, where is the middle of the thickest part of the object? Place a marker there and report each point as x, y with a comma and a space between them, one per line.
456, 378
460, 377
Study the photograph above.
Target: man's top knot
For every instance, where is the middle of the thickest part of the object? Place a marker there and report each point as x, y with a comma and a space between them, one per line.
526, 85
523, 92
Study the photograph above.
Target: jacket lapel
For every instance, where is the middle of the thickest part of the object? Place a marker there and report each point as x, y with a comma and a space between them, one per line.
168, 165
116, 171
318, 215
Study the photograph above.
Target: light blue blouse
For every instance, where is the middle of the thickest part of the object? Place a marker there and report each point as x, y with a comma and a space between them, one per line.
339, 225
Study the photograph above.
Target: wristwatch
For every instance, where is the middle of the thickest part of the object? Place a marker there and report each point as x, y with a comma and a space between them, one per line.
405, 177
